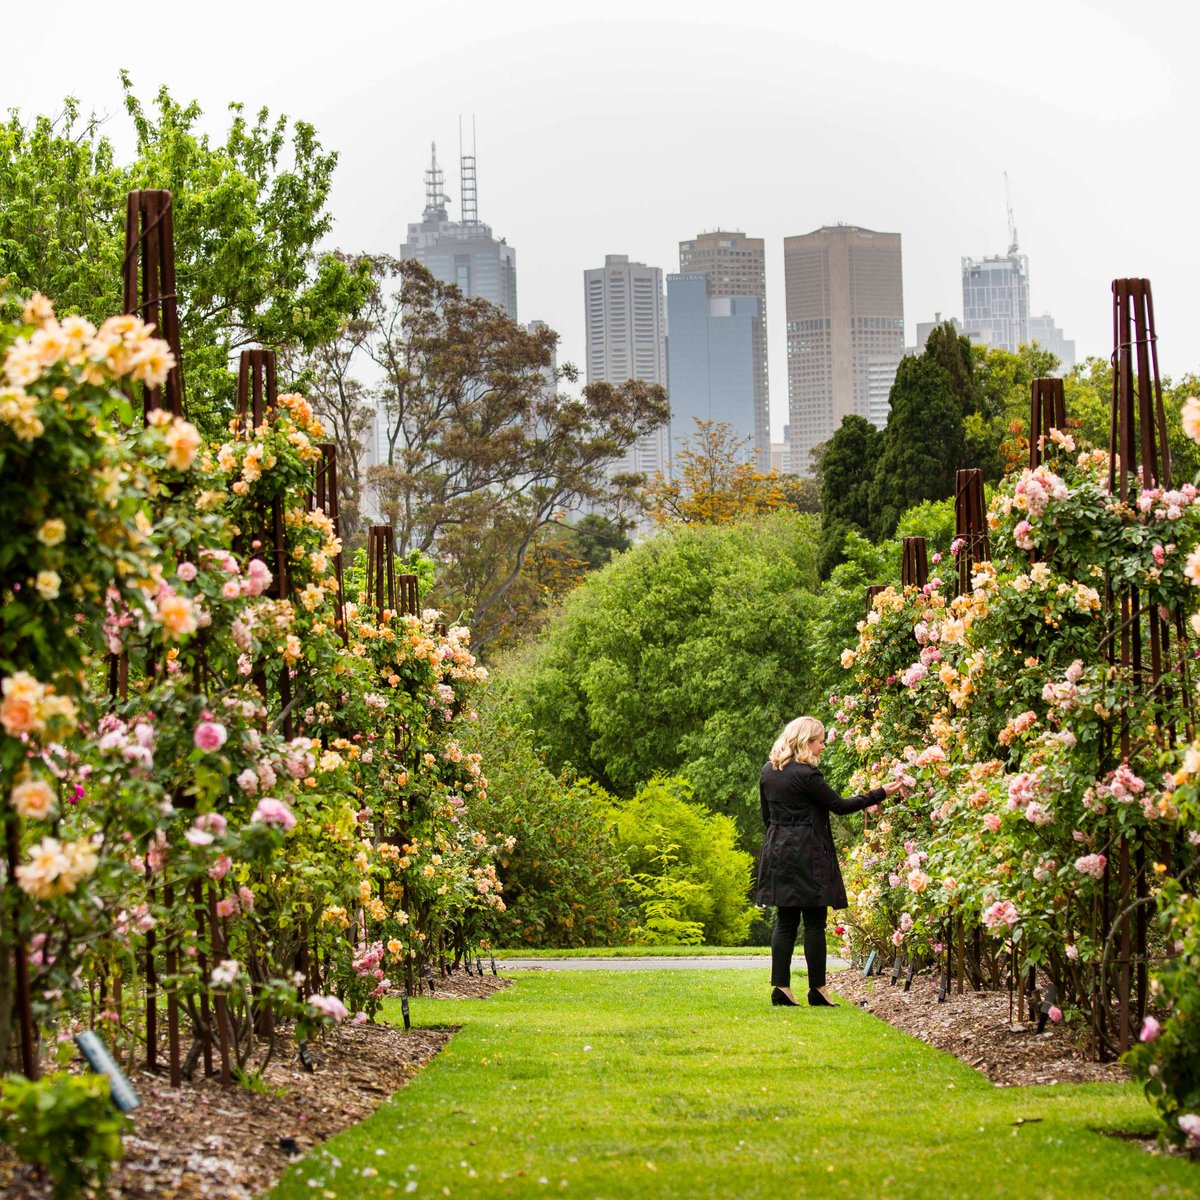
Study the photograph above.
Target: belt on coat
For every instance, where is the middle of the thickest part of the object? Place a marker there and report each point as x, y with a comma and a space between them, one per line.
806, 820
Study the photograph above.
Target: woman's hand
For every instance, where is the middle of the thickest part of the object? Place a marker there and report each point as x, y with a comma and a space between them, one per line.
890, 787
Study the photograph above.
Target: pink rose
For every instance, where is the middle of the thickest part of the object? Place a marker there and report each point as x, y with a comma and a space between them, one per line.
991, 821
329, 1006
220, 868
274, 812
210, 735
1150, 1030
227, 907
1054, 1013
186, 572
1091, 864
258, 577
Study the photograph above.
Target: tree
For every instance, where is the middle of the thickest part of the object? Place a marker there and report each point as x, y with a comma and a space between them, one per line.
711, 482
247, 214
683, 656
848, 469
923, 445
482, 454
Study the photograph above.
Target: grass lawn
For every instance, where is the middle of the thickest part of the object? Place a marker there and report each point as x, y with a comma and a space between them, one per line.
635, 952
688, 1084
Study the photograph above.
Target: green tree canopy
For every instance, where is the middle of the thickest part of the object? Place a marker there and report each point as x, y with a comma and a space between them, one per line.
248, 213
685, 655
848, 469
923, 444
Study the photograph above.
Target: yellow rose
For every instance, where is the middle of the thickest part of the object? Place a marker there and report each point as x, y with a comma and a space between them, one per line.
52, 532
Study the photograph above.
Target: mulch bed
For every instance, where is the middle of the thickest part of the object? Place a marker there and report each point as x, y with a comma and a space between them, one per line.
204, 1140
975, 1027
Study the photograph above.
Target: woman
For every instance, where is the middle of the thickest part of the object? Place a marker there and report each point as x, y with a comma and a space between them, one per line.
798, 870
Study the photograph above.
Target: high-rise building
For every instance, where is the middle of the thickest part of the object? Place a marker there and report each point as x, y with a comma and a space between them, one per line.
845, 330
1047, 334
464, 252
625, 339
711, 361
996, 300
736, 266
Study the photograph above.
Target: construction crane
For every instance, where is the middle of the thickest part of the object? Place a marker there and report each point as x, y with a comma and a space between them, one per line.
1012, 227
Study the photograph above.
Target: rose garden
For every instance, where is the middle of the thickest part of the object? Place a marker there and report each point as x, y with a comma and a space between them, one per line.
244, 813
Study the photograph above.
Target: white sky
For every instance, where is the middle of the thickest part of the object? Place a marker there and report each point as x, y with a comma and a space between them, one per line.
628, 131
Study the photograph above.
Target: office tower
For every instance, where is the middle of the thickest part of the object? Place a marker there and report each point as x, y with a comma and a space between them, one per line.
711, 361
1047, 334
462, 252
845, 330
626, 327
996, 300
736, 266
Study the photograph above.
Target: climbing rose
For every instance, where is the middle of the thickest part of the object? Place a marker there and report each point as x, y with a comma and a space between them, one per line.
274, 812
1091, 864
210, 735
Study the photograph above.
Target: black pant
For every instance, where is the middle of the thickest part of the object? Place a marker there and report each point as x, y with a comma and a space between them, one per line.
783, 944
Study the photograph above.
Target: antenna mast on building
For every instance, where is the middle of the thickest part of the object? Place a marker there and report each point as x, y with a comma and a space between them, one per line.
1013, 248
467, 182
435, 188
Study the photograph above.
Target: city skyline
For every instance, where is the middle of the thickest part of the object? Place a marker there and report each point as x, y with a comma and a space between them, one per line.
627, 131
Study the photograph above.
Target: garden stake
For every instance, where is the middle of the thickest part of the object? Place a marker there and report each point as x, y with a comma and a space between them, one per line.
1138, 430
12, 834
172, 993
202, 960
218, 950
324, 498
970, 525
150, 293
1048, 411
151, 983
381, 570
914, 564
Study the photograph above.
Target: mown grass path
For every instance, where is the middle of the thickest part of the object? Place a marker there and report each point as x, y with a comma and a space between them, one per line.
687, 1084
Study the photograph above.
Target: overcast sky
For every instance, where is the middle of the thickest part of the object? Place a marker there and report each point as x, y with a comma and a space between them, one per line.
628, 131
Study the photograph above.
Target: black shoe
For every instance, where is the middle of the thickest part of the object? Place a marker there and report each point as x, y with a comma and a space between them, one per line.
780, 997
816, 1000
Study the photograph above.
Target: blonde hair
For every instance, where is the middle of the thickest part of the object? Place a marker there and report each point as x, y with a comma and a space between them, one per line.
792, 744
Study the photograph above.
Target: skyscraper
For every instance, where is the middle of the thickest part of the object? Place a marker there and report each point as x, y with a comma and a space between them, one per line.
625, 332
1047, 334
736, 266
845, 330
996, 300
463, 252
711, 361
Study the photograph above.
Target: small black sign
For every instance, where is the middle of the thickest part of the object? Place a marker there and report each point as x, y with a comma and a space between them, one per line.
404, 1012
912, 970
868, 968
99, 1059
943, 988
897, 967
493, 964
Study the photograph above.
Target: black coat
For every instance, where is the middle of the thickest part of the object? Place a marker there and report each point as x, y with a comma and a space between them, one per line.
798, 866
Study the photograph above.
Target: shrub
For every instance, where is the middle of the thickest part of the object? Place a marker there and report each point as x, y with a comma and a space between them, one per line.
686, 866
564, 877
65, 1125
